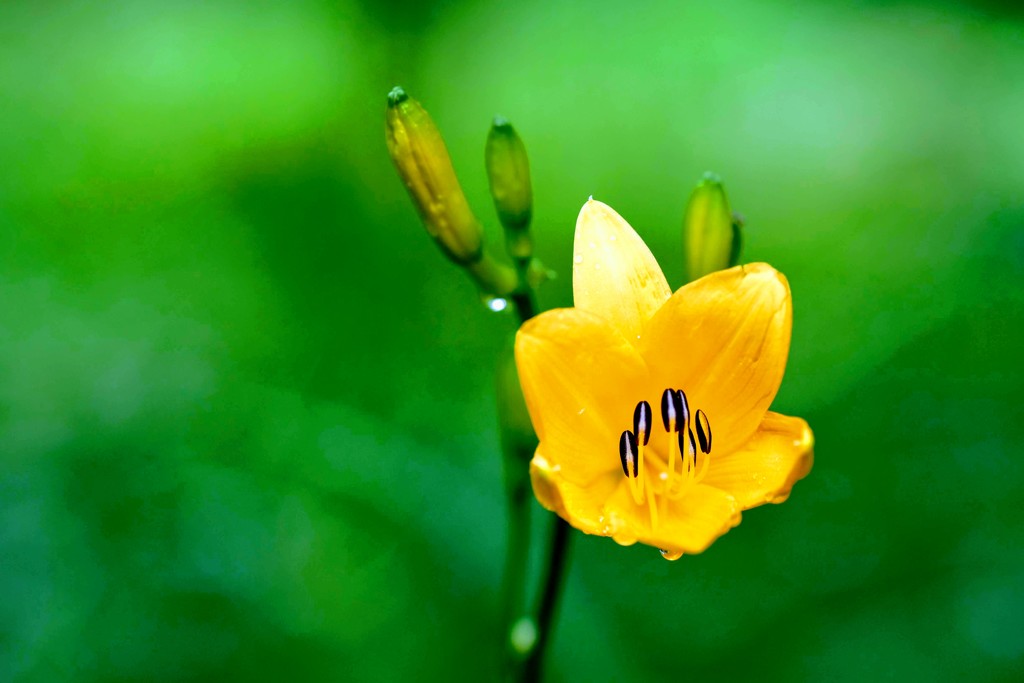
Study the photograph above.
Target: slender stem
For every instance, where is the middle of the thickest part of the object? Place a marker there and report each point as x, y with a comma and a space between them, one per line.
517, 492
523, 297
517, 550
524, 305
527, 664
492, 277
553, 580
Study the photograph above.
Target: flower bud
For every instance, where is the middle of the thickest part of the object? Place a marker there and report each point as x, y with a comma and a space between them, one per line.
508, 171
422, 161
711, 238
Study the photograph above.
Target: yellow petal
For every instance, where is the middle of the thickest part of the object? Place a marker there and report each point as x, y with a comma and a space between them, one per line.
688, 525
606, 508
582, 506
614, 274
779, 454
724, 339
581, 380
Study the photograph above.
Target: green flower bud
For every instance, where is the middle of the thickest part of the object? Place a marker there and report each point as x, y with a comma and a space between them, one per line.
508, 171
710, 237
422, 160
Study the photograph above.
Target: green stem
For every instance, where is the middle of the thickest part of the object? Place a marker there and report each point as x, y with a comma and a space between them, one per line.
525, 661
517, 491
493, 278
517, 554
553, 581
524, 305
523, 297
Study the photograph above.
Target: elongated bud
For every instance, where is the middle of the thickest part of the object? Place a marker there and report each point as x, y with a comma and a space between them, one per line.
710, 237
508, 171
422, 160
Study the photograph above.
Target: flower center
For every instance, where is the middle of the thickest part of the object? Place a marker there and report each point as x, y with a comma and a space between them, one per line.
682, 446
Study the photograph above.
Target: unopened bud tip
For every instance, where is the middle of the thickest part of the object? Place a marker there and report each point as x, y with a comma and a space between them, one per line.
397, 96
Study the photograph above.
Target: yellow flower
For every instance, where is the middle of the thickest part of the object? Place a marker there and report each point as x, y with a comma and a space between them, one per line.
652, 407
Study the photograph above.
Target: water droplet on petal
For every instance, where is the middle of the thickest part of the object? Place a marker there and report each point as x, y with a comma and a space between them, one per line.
578, 258
671, 555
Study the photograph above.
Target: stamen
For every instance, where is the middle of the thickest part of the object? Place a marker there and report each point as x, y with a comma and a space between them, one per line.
703, 461
693, 448
684, 450
670, 409
684, 419
703, 432
684, 409
630, 464
627, 453
669, 417
642, 422
691, 475
676, 418
652, 506
642, 430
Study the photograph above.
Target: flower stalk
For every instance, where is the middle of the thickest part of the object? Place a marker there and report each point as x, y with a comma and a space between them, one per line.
424, 165
554, 579
527, 637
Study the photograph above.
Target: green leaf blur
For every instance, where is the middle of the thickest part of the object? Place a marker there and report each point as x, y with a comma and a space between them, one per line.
247, 421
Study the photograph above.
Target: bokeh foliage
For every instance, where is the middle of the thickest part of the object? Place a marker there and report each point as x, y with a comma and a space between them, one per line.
246, 410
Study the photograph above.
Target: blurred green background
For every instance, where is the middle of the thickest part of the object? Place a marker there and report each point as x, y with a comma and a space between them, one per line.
246, 409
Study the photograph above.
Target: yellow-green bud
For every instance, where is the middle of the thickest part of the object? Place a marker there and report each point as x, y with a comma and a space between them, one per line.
710, 238
422, 160
508, 171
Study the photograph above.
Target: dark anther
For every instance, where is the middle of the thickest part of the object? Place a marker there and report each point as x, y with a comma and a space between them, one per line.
703, 432
627, 453
671, 408
686, 451
684, 408
642, 422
